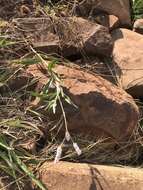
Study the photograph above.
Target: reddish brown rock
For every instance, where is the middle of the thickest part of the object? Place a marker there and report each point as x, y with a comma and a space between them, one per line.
119, 8
74, 176
67, 36
104, 68
109, 21
128, 56
113, 22
103, 109
138, 26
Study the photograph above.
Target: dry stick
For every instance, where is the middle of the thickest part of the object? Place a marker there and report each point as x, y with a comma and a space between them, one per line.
74, 6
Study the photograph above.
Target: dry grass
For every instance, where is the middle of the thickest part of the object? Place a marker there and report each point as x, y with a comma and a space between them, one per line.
28, 132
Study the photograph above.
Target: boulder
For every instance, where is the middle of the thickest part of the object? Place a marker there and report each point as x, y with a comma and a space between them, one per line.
138, 26
67, 36
128, 56
76, 176
119, 8
104, 110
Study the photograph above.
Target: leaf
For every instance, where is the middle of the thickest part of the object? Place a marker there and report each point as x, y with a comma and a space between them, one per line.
6, 170
5, 42
137, 9
9, 164
51, 65
28, 172
3, 143
54, 107
30, 61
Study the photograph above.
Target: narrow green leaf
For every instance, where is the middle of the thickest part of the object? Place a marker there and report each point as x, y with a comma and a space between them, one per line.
28, 172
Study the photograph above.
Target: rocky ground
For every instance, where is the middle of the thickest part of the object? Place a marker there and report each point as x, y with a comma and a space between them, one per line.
71, 89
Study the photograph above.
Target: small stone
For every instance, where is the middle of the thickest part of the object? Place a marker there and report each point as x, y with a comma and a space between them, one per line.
113, 22
138, 26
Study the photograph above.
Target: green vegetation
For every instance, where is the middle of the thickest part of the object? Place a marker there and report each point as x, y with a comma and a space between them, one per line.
137, 9
20, 129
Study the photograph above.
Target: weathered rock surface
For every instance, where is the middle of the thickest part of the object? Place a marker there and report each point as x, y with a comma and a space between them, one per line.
103, 109
74, 176
104, 68
138, 26
119, 8
67, 36
113, 22
128, 55
109, 21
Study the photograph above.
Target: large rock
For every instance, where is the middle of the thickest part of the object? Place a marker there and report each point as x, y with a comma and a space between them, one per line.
67, 36
103, 109
119, 8
74, 176
128, 56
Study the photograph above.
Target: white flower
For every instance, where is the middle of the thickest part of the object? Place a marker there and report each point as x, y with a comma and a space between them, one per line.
77, 149
67, 136
58, 154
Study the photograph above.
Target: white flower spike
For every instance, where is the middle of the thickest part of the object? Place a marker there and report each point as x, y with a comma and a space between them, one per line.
67, 136
58, 154
77, 149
